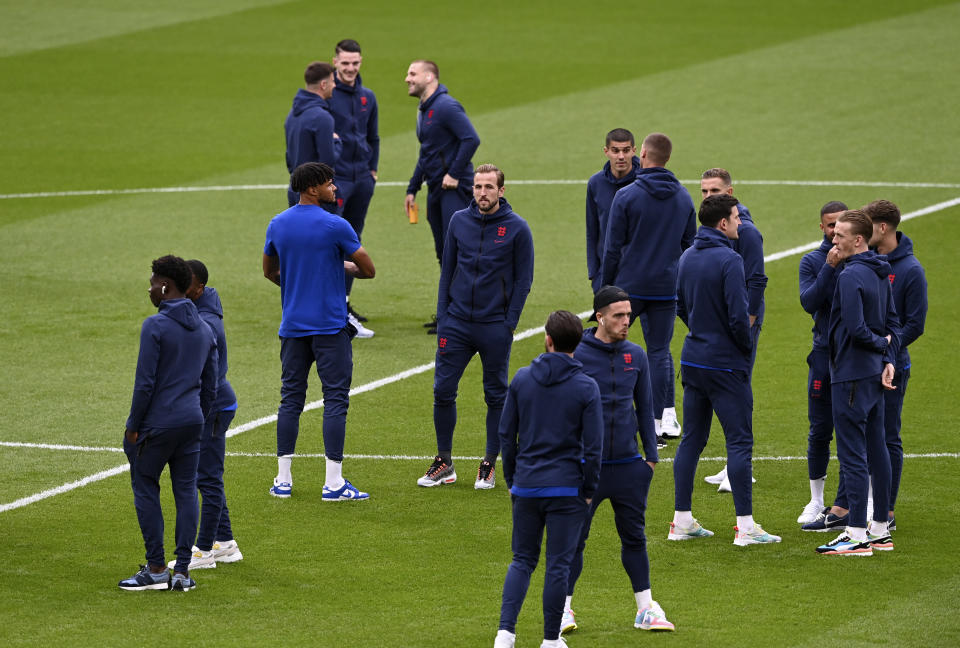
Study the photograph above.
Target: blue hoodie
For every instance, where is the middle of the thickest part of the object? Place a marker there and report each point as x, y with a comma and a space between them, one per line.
176, 380
652, 222
211, 311
749, 246
309, 128
600, 191
909, 295
487, 266
623, 376
354, 111
447, 142
862, 314
551, 430
712, 302
818, 281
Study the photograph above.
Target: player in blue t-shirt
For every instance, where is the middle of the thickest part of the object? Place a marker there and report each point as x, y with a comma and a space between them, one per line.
306, 253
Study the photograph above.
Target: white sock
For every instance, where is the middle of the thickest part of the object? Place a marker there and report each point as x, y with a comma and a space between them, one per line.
334, 479
877, 528
816, 490
683, 519
644, 599
858, 534
567, 602
283, 469
745, 523
672, 411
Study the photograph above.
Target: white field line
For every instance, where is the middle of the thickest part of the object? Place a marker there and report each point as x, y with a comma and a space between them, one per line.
397, 183
398, 457
376, 384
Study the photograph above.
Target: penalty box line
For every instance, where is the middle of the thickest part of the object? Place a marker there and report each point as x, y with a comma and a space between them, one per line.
376, 384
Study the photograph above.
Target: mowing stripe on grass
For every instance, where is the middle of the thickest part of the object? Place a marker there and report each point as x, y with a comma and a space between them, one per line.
396, 183
376, 384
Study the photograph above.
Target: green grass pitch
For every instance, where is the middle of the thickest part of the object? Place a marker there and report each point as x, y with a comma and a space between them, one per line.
114, 96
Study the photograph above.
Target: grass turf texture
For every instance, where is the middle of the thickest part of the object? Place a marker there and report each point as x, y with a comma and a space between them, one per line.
197, 97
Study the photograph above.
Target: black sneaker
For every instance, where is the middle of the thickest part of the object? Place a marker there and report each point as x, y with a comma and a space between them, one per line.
486, 476
439, 472
431, 324
146, 580
661, 442
358, 316
826, 521
182, 583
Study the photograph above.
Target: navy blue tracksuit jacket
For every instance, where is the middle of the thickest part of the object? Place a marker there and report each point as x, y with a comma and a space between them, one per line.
818, 281
621, 372
909, 295
715, 311
447, 142
652, 222
487, 267
601, 187
551, 430
355, 116
749, 246
211, 311
309, 129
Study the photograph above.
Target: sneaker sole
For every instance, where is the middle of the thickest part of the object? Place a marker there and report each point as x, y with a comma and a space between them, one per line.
344, 499
747, 543
231, 558
482, 485
858, 552
672, 536
569, 628
640, 626
183, 589
281, 495
429, 483
141, 588
672, 436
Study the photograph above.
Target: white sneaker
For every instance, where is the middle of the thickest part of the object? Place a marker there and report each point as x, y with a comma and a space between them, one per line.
810, 512
757, 536
725, 487
568, 623
652, 618
227, 551
695, 531
718, 478
505, 639
669, 425
199, 560
362, 331
559, 642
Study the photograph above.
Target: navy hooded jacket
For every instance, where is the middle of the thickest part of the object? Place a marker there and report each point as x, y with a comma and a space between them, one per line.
355, 116
712, 302
211, 311
652, 222
176, 380
309, 128
861, 316
551, 430
909, 295
487, 266
749, 246
623, 376
447, 142
600, 191
818, 281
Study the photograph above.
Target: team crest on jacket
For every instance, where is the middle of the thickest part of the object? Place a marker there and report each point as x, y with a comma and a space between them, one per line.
891, 278
501, 231
363, 101
430, 114
628, 358
339, 202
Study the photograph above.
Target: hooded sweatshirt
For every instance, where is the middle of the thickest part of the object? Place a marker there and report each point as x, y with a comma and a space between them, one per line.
749, 246
447, 142
712, 302
211, 311
652, 222
861, 316
487, 266
354, 111
623, 376
600, 191
909, 295
551, 430
818, 281
309, 129
176, 379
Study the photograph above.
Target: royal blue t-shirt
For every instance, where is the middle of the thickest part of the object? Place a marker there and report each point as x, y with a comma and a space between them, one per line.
311, 245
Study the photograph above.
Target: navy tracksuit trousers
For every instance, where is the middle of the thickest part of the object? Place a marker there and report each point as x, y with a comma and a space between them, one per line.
457, 342
626, 485
353, 200
562, 517
819, 413
334, 357
727, 393
214, 515
180, 448
892, 409
861, 448
657, 319
441, 205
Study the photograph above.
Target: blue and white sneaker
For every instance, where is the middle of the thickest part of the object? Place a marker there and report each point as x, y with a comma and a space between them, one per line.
182, 583
652, 618
345, 493
826, 521
695, 531
281, 489
757, 536
892, 523
568, 622
146, 580
844, 545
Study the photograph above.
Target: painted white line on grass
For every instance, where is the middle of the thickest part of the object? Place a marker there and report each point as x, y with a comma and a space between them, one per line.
397, 377
58, 446
397, 183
